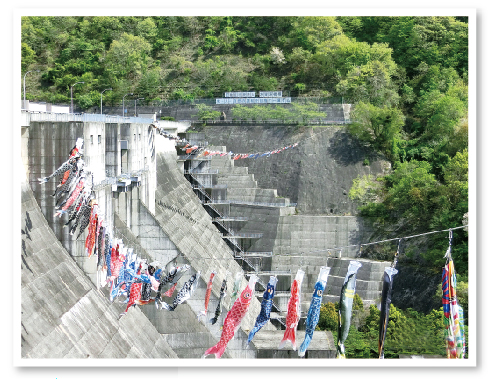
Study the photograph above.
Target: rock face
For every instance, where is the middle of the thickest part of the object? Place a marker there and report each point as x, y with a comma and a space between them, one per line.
415, 287
317, 174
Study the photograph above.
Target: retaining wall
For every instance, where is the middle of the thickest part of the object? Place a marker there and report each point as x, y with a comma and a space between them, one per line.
333, 112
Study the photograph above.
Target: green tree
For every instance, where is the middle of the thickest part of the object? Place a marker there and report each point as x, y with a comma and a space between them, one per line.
441, 113
433, 40
377, 126
281, 113
329, 318
149, 84
308, 32
206, 112
306, 111
228, 38
340, 55
147, 29
28, 56
365, 189
370, 83
129, 56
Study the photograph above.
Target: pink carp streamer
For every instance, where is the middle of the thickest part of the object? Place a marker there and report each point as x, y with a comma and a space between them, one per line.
233, 319
293, 313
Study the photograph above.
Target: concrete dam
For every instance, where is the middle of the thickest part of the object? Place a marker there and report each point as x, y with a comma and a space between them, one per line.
212, 214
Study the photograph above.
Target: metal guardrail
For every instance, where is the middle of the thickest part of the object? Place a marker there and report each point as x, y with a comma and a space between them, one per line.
250, 254
211, 101
89, 117
245, 235
27, 116
111, 180
195, 141
193, 157
239, 202
105, 182
206, 172
274, 273
219, 186
231, 218
271, 122
209, 205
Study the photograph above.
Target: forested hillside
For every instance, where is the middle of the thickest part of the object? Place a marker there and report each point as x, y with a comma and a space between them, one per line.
406, 76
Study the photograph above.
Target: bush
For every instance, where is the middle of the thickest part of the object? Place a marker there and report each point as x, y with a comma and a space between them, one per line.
329, 318
206, 112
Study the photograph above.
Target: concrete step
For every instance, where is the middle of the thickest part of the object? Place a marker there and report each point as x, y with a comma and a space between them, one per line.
221, 162
217, 148
188, 341
237, 181
267, 342
259, 195
236, 176
367, 290
231, 170
370, 270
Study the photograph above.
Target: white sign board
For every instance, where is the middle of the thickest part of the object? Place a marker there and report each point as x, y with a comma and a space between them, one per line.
240, 94
270, 93
265, 100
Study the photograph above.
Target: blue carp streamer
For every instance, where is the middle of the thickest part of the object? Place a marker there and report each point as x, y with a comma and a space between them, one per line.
314, 310
266, 306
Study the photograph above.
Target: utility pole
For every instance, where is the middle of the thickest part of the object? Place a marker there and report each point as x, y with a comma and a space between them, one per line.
101, 96
24, 84
72, 108
123, 104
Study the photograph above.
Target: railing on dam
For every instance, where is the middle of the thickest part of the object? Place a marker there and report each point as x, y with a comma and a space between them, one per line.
27, 116
85, 117
268, 122
243, 235
240, 202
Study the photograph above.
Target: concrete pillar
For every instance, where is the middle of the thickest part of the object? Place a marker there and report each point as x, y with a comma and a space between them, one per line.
112, 150
94, 146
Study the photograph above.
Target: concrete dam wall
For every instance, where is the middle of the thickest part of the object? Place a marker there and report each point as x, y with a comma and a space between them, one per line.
158, 216
147, 203
127, 215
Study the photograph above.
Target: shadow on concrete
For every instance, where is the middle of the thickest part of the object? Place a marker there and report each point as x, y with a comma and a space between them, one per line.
347, 150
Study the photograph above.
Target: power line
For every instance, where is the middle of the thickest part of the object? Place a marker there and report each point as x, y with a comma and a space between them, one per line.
389, 240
